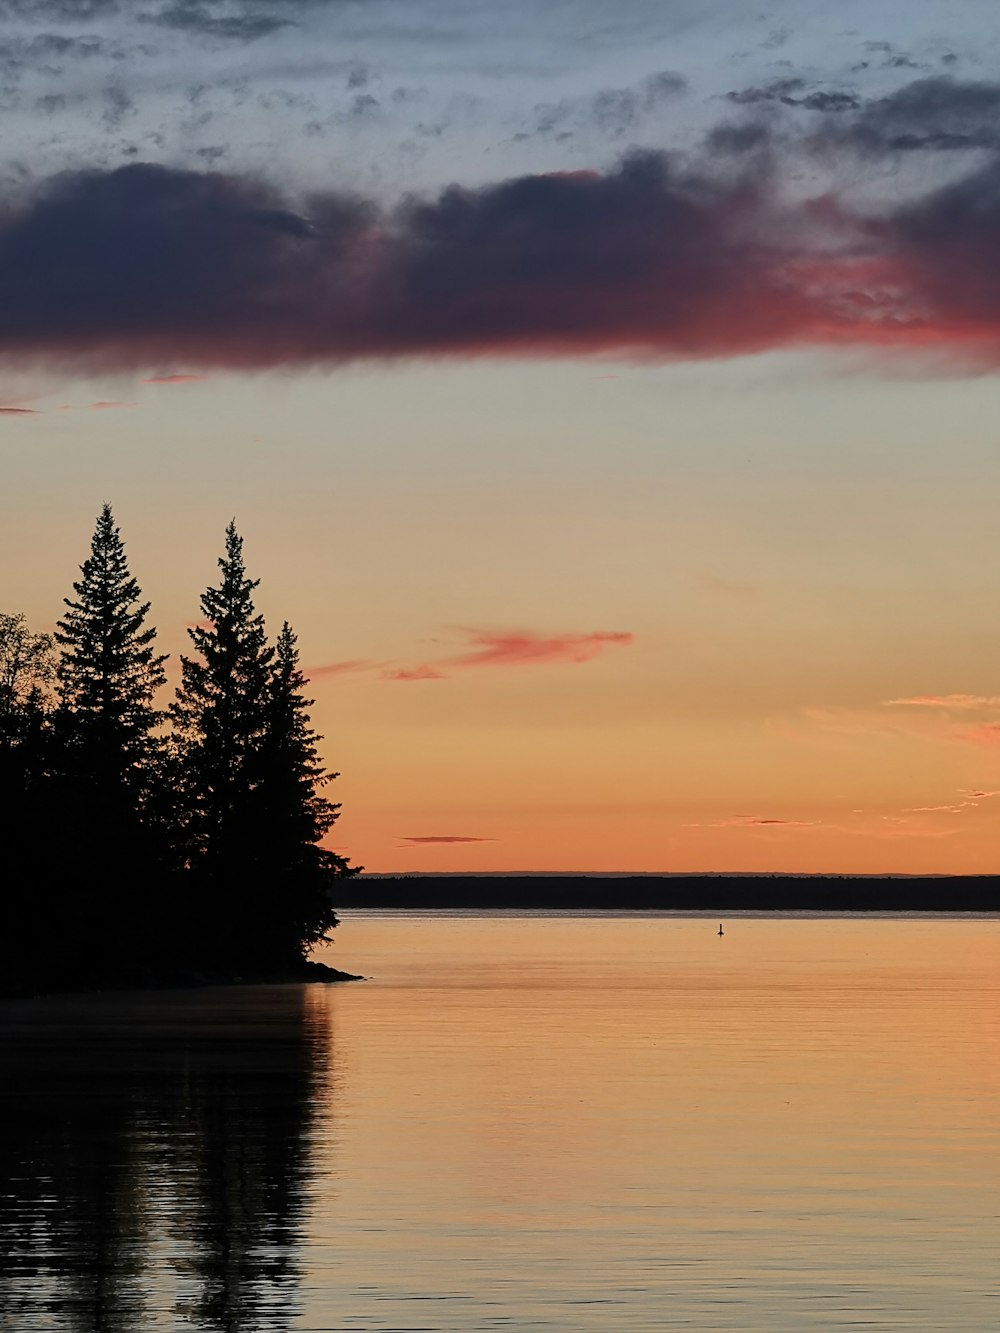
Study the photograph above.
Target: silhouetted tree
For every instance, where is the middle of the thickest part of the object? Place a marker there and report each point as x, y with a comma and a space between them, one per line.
108, 674
192, 852
292, 816
27, 667
219, 720
108, 671
29, 896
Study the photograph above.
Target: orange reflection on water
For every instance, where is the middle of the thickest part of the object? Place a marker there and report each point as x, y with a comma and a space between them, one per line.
796, 1122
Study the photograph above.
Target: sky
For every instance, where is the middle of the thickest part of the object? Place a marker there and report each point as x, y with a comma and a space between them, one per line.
606, 394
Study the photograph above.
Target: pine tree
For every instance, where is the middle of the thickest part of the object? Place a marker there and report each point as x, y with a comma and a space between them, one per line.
106, 757
218, 718
293, 816
108, 670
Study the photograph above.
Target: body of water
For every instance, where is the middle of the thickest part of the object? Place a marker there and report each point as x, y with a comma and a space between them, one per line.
521, 1122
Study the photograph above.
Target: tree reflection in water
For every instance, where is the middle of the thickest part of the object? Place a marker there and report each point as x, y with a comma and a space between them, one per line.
156, 1154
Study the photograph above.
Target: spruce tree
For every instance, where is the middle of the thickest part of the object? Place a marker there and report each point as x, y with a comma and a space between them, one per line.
293, 815
108, 670
219, 719
106, 756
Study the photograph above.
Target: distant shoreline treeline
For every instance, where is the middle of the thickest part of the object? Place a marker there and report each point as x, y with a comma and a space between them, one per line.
677, 893
151, 846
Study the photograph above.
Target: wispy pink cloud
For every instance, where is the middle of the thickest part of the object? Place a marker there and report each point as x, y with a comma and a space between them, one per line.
890, 827
104, 405
784, 823
442, 838
843, 726
971, 800
514, 648
757, 821
175, 379
519, 647
986, 733
958, 702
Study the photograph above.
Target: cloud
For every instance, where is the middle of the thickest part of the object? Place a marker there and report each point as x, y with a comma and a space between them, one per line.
442, 838
56, 11
971, 800
930, 115
986, 733
144, 265
522, 647
753, 821
206, 19
340, 668
791, 91
18, 412
612, 111
425, 672
959, 702
513, 648
756, 821
105, 405
175, 379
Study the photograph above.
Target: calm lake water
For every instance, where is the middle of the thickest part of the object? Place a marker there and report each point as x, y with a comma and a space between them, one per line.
535, 1122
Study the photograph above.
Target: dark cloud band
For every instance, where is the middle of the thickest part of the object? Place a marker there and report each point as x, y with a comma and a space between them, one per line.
146, 266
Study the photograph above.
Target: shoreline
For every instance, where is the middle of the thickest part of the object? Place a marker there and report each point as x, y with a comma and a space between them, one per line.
311, 973
675, 893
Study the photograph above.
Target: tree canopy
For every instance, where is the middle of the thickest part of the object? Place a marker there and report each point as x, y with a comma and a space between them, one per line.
150, 842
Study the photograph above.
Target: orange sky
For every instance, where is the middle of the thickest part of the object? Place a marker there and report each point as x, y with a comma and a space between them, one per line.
576, 616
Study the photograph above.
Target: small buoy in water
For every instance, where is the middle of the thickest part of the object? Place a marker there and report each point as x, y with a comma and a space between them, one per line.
721, 931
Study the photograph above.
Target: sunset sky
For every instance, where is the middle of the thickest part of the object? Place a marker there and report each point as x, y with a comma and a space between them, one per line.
607, 394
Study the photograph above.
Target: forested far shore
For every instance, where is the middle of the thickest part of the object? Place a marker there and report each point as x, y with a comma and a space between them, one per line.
675, 893
145, 845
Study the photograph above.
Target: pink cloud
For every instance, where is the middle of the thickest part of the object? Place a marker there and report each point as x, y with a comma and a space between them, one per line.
987, 733
442, 838
959, 702
752, 821
970, 801
490, 648
521, 647
755, 821
105, 405
175, 379
514, 648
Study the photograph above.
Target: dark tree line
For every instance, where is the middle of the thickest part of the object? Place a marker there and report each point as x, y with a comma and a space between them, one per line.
150, 844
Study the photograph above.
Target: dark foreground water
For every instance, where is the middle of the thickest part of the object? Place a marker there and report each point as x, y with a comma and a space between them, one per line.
552, 1123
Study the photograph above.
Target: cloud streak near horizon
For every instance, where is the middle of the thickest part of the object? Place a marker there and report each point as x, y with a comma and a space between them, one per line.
491, 648
439, 840
146, 266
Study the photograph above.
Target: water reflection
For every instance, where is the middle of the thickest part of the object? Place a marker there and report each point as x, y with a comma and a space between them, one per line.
157, 1153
